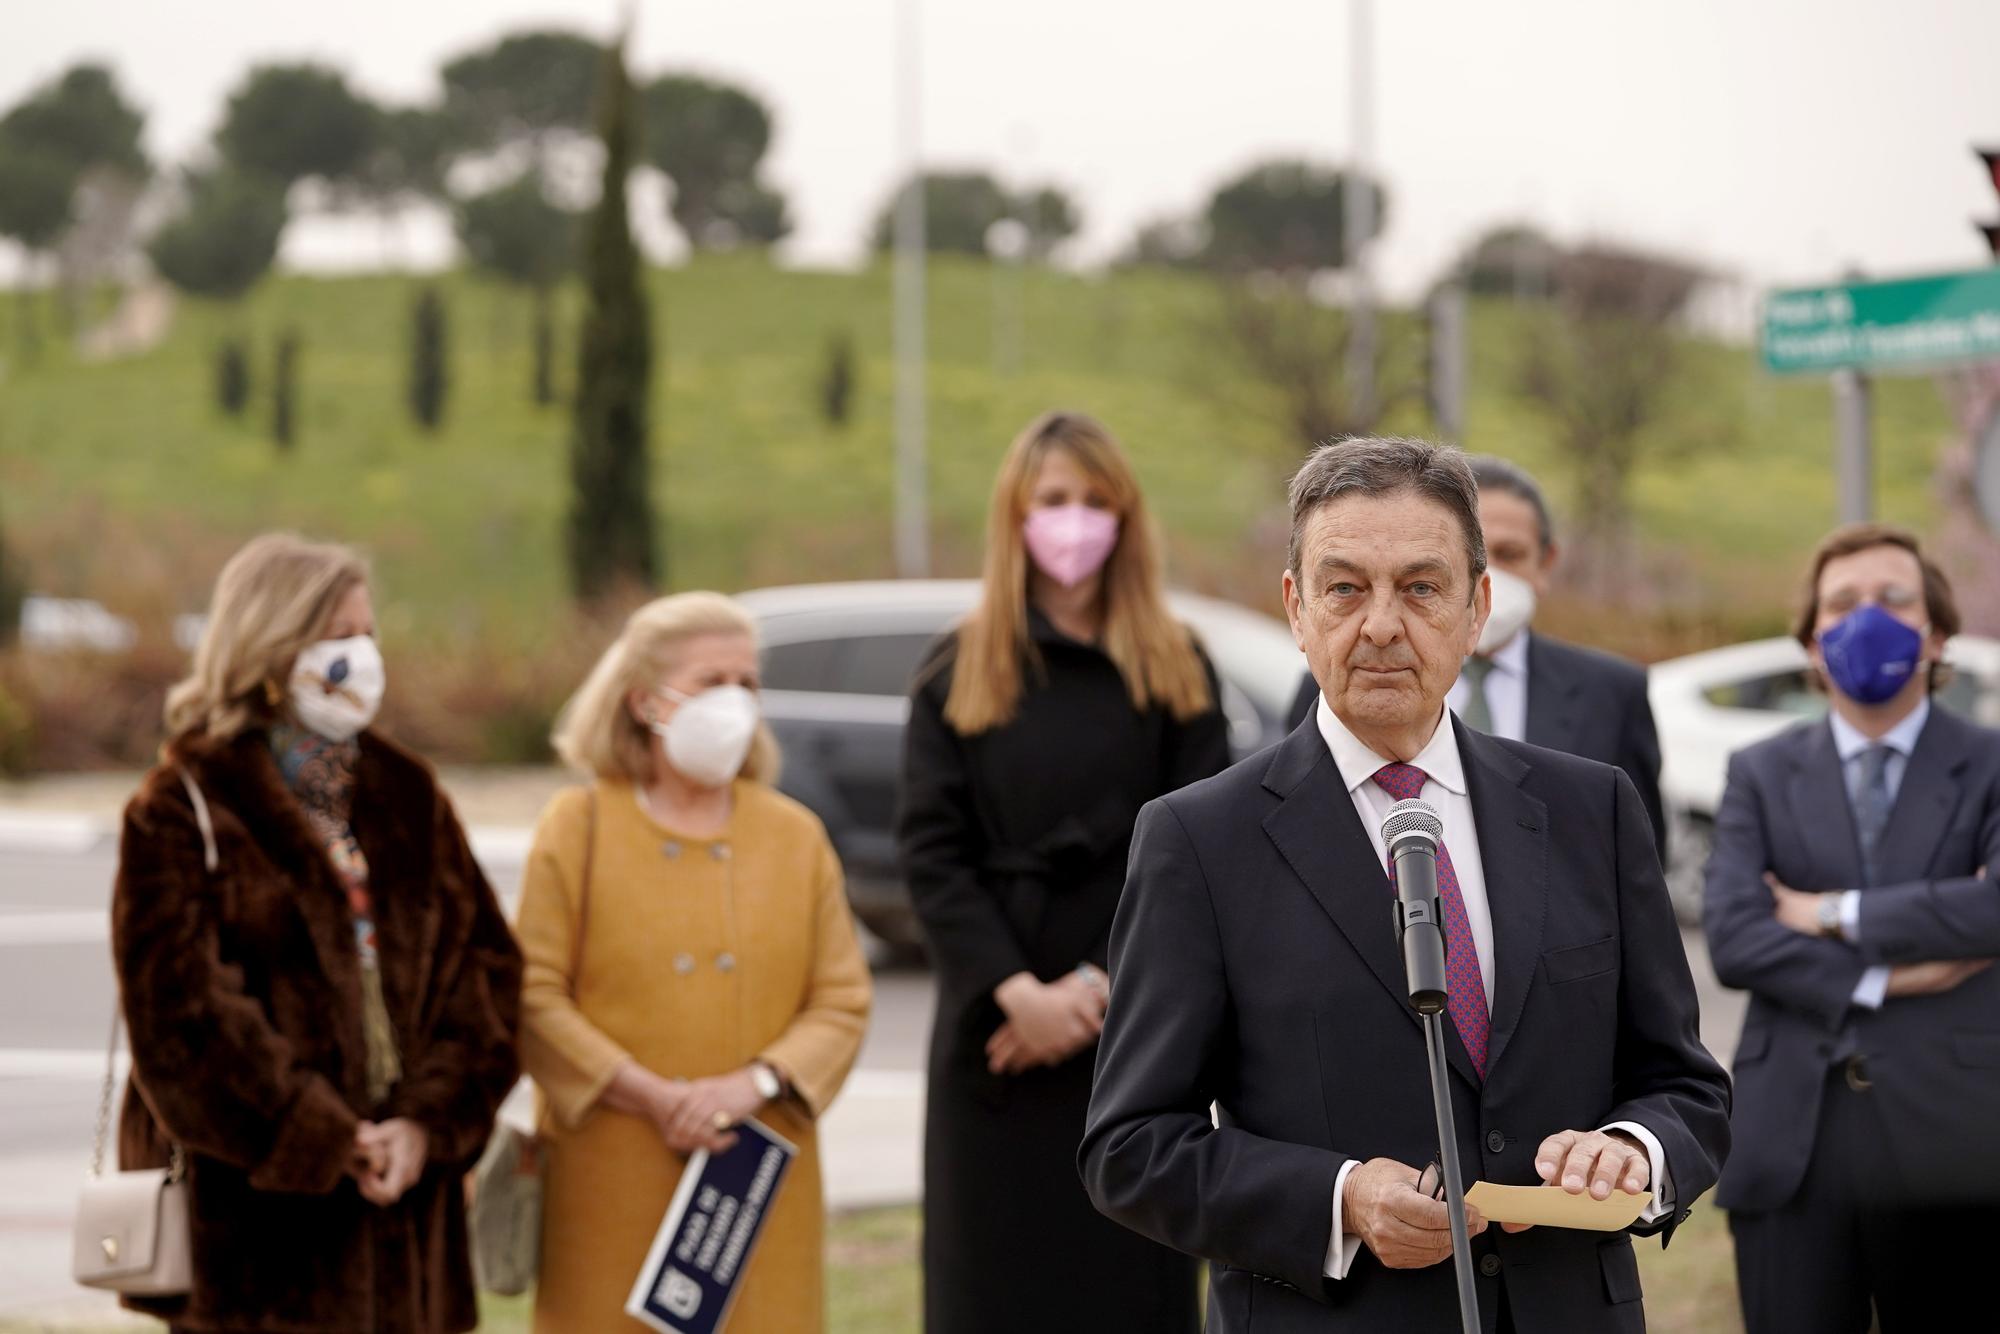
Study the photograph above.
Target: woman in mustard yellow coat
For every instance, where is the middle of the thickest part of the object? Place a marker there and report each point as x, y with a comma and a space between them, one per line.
691, 963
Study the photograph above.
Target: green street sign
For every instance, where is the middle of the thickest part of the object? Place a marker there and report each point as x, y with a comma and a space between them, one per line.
1911, 324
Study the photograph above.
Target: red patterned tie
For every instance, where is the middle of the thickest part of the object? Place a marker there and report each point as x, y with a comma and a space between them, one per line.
1465, 991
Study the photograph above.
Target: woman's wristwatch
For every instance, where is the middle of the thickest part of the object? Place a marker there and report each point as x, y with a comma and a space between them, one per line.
769, 1083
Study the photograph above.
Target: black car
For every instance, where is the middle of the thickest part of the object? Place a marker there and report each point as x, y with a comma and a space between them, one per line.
838, 659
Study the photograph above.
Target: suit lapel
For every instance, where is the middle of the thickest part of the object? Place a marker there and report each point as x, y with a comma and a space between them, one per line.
1551, 700
1925, 800
1817, 794
1513, 829
1319, 834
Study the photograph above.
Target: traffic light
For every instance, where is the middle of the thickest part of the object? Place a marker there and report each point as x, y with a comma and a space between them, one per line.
1990, 158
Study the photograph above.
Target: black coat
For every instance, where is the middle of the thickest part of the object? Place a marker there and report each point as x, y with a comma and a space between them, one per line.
1258, 971
1014, 845
1580, 702
1934, 1060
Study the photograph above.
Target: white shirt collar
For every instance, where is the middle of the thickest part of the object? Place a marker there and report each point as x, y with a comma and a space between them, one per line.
1439, 759
1902, 738
1512, 657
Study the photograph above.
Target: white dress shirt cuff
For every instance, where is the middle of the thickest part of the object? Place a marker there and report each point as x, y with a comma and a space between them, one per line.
1662, 1202
1873, 988
1850, 916
1341, 1248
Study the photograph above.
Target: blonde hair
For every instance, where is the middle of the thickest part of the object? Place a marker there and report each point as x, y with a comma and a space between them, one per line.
596, 734
1153, 652
274, 598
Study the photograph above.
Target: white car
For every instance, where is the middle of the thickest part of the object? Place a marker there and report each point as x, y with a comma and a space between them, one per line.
1710, 705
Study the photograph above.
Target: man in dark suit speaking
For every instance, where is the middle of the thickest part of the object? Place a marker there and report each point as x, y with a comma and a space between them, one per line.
1528, 686
1255, 970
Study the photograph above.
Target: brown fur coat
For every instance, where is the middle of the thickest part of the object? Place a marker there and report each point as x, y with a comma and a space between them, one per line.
242, 992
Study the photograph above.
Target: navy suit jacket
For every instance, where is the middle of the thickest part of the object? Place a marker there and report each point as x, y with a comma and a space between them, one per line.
1582, 702
1255, 966
1934, 1060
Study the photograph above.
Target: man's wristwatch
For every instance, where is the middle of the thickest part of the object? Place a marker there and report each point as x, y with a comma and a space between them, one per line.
769, 1086
1830, 925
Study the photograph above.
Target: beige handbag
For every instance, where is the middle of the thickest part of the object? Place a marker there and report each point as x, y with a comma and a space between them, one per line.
131, 1233
505, 1211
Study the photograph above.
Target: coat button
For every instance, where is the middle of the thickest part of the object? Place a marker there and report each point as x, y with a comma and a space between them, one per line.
670, 849
725, 961
684, 964
1489, 1265
719, 851
1495, 1141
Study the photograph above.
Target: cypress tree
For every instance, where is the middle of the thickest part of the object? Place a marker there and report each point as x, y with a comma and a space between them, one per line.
284, 389
12, 594
232, 377
430, 377
545, 344
836, 388
611, 518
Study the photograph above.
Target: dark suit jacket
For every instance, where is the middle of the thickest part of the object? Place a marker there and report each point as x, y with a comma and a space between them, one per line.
1582, 702
1255, 966
1934, 1060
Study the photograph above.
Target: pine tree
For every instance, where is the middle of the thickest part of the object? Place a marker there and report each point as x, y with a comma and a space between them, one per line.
430, 376
611, 539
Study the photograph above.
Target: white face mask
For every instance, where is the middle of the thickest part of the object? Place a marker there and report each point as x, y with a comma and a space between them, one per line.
337, 686
1513, 608
709, 736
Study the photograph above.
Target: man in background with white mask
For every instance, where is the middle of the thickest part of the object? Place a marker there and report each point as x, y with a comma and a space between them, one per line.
1528, 687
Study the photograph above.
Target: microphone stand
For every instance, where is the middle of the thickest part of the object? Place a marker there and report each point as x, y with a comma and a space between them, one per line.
1421, 935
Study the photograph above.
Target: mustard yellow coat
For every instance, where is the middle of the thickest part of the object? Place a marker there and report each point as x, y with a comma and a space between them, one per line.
699, 956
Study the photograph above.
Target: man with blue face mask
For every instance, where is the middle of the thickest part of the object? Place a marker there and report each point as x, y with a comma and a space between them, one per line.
1849, 893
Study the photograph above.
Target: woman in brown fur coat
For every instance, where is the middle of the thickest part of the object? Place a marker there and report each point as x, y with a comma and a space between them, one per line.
325, 1022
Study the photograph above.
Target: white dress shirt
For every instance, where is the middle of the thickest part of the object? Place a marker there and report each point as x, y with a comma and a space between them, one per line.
1506, 690
1444, 788
1901, 739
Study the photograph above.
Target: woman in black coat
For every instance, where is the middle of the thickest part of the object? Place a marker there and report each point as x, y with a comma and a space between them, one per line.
1067, 699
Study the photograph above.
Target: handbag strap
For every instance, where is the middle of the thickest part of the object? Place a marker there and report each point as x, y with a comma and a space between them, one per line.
177, 1165
583, 894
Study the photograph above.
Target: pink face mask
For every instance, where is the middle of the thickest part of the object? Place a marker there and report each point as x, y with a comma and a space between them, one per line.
1069, 543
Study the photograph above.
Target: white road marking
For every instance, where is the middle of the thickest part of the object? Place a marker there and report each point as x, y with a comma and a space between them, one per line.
71, 834
55, 928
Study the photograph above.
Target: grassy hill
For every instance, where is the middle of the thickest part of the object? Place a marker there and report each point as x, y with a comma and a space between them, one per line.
123, 481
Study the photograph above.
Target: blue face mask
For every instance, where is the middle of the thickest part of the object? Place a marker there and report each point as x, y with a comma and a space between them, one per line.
1870, 654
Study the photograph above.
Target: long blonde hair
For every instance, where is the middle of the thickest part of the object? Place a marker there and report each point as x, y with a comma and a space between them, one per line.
1152, 651
273, 599
596, 734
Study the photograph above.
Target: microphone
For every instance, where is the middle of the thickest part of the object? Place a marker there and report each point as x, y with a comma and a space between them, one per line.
1410, 832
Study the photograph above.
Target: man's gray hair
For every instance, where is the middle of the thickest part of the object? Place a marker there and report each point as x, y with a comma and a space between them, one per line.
1364, 465
1497, 474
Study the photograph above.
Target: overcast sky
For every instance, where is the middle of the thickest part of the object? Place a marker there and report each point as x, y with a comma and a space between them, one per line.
1781, 140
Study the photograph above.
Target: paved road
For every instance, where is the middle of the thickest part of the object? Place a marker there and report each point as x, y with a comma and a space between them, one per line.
55, 1009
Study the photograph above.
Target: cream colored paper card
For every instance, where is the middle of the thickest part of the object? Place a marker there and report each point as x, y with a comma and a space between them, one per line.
1551, 1206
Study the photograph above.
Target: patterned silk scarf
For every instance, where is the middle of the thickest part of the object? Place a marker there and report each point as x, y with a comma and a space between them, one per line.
320, 774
